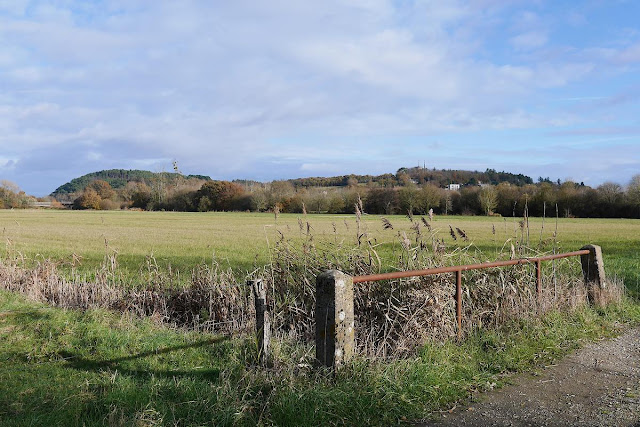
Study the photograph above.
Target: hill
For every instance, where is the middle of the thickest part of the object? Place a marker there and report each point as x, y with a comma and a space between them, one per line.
118, 178
418, 175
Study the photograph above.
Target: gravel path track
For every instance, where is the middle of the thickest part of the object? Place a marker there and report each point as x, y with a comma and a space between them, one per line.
598, 385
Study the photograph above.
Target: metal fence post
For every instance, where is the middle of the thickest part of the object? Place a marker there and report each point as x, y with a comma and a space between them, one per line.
335, 334
263, 325
593, 272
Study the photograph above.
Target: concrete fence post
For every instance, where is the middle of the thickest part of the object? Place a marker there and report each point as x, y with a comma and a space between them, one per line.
335, 335
593, 271
263, 325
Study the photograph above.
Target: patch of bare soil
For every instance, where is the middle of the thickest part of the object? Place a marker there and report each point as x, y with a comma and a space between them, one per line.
599, 385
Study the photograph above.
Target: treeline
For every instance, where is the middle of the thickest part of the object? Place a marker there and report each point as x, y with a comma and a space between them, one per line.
568, 199
417, 175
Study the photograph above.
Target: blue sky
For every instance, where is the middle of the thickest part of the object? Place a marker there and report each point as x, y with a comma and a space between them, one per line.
282, 89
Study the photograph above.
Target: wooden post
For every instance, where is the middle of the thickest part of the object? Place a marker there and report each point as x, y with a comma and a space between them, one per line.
335, 334
593, 272
459, 302
538, 279
263, 325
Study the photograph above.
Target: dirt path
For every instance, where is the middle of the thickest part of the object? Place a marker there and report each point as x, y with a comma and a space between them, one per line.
599, 385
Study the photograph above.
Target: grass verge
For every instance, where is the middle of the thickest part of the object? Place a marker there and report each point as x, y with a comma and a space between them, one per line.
94, 367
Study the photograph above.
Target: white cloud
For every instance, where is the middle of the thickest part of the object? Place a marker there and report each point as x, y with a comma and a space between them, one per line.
224, 86
529, 40
630, 54
14, 7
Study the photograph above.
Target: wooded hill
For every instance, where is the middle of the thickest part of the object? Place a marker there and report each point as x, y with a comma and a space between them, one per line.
118, 178
417, 175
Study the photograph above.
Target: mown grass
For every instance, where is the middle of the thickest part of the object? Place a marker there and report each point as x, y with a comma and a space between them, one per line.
61, 367
242, 241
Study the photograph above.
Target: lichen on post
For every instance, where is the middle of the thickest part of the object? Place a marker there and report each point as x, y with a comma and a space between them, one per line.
263, 325
335, 334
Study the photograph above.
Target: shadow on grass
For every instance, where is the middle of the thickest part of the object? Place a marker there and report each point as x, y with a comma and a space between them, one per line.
77, 362
26, 316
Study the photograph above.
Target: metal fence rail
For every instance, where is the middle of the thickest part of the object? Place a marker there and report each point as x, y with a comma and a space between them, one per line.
458, 269
334, 297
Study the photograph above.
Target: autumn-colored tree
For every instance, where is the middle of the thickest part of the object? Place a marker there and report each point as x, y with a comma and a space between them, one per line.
88, 200
218, 195
102, 188
12, 197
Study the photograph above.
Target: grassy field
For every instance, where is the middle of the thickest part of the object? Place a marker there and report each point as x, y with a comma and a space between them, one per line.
94, 367
77, 368
241, 241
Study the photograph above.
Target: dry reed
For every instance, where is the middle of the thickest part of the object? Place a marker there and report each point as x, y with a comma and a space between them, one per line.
393, 318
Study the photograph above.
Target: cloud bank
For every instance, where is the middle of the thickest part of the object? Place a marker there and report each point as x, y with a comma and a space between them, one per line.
280, 89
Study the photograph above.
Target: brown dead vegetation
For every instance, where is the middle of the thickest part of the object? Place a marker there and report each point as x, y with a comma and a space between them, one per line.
393, 318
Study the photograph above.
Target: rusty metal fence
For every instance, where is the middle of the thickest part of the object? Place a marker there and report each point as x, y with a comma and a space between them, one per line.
335, 328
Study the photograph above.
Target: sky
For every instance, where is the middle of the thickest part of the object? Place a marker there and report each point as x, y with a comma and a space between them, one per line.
284, 89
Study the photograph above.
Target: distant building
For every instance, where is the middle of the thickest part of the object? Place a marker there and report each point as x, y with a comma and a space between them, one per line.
453, 187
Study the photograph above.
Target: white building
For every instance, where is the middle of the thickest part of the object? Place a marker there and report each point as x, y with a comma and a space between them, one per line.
453, 187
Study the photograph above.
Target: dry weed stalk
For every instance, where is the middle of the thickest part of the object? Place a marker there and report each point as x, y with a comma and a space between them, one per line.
212, 302
393, 318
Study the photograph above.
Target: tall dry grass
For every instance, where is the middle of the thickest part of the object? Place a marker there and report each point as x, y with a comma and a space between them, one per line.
393, 318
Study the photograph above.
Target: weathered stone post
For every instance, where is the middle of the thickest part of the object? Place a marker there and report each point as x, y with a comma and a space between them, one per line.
593, 272
263, 325
335, 335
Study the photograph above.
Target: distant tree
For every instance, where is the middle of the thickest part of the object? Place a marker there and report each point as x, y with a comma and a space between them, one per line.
205, 204
447, 203
336, 203
381, 200
181, 201
279, 191
468, 203
409, 198
633, 193
403, 178
88, 200
567, 197
218, 195
258, 201
318, 201
544, 197
609, 199
610, 192
102, 188
10, 186
141, 196
12, 197
488, 198
428, 198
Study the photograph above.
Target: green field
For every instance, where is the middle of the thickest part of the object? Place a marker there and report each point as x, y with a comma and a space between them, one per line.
95, 367
241, 241
85, 368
